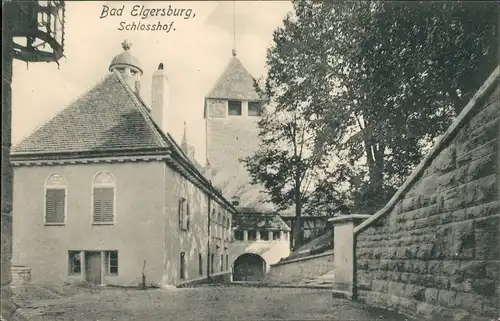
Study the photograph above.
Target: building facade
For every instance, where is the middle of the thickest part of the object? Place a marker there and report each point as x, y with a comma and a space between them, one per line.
232, 111
103, 194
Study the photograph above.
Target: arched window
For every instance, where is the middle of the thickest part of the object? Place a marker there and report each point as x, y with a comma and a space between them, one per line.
103, 198
55, 199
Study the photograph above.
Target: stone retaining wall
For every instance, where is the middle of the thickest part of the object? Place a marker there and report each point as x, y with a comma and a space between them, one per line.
298, 270
436, 252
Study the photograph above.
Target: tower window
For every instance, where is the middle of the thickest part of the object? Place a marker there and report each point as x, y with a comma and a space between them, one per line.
234, 108
254, 108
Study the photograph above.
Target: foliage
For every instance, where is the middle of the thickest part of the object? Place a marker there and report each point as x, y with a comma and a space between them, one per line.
360, 90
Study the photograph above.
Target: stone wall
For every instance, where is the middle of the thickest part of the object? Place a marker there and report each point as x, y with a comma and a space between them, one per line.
293, 272
435, 252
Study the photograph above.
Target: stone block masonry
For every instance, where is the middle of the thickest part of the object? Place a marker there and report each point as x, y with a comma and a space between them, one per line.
434, 251
299, 271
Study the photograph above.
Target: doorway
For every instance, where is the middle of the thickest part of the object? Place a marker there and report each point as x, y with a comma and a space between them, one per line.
93, 268
249, 267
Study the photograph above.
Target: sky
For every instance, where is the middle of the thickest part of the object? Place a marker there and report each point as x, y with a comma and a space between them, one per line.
194, 55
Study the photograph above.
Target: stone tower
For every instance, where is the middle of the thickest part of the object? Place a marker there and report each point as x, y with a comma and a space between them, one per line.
232, 109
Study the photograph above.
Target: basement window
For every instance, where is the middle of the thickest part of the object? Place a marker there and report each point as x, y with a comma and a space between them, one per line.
234, 108
75, 263
112, 260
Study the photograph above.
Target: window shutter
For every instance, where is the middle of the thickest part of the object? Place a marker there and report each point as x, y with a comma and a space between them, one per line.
180, 213
104, 204
98, 213
54, 205
188, 216
108, 206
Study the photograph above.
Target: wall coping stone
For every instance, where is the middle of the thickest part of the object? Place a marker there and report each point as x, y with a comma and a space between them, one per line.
342, 219
304, 258
449, 134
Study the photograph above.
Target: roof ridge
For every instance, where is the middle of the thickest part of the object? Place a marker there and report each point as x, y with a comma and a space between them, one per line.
234, 58
141, 108
56, 113
220, 77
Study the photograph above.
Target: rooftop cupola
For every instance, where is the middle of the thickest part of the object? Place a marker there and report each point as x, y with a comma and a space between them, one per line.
128, 65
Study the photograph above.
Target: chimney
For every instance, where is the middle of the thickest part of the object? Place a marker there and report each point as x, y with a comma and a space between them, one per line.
138, 87
160, 98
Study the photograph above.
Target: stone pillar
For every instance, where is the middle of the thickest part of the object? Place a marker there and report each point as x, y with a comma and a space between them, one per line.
7, 174
245, 235
103, 267
344, 260
282, 235
83, 267
270, 235
257, 235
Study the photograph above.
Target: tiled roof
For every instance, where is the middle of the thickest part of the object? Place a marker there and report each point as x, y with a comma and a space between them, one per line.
248, 221
234, 83
108, 117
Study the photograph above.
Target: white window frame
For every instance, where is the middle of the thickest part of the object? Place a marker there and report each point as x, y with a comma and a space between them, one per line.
55, 181
110, 182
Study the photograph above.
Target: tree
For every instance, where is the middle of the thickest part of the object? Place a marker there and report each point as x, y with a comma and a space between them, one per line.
365, 88
407, 70
295, 146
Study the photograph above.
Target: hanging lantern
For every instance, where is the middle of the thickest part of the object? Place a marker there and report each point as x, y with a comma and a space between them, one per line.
37, 29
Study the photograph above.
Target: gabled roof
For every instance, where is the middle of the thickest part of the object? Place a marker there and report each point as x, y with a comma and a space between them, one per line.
107, 117
234, 83
108, 120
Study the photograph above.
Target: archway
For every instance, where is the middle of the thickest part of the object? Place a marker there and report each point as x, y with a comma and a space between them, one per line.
249, 267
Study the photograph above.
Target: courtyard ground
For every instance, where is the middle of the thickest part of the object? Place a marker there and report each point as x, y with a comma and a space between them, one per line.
216, 303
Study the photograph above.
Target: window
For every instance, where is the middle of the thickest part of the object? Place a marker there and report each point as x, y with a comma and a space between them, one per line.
238, 235
212, 262
103, 198
235, 201
276, 235
200, 264
252, 235
222, 262
219, 227
75, 263
188, 216
254, 108
55, 199
227, 262
183, 266
264, 235
184, 214
234, 108
112, 262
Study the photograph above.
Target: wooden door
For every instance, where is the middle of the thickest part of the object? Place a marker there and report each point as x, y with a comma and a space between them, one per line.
93, 267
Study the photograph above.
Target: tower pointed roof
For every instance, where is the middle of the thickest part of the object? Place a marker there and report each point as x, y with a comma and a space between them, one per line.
184, 144
234, 83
